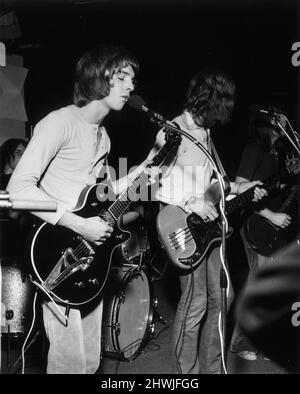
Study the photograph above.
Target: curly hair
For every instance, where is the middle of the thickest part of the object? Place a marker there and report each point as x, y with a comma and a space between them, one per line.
210, 98
95, 69
7, 151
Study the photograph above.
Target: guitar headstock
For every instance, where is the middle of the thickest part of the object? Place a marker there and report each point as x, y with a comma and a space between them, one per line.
293, 165
172, 137
276, 115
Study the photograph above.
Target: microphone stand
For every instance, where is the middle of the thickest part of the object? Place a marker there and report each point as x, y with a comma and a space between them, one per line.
158, 119
297, 148
25, 205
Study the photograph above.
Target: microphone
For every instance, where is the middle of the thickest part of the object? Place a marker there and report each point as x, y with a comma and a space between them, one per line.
136, 102
254, 109
270, 112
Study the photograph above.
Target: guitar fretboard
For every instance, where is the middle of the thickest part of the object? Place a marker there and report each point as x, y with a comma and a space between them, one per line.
119, 206
242, 200
287, 203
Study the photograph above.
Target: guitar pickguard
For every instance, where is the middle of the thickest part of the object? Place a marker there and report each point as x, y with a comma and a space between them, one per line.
187, 237
204, 234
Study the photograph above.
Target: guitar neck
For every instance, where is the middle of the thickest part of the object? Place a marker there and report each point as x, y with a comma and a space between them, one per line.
287, 203
244, 199
119, 206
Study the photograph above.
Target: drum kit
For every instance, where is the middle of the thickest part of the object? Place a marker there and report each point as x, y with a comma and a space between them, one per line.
129, 305
16, 297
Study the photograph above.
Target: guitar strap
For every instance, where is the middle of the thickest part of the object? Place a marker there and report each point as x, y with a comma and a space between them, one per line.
218, 162
104, 174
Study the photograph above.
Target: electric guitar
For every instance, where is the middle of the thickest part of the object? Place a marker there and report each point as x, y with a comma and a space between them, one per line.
263, 235
71, 269
186, 237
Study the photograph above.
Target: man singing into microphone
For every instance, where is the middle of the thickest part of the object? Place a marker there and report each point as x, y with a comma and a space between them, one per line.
67, 152
208, 103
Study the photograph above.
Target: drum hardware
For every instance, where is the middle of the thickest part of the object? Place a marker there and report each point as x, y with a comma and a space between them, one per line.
9, 315
116, 327
25, 205
156, 314
136, 247
15, 286
151, 329
121, 297
16, 293
128, 313
157, 272
160, 318
11, 369
16, 301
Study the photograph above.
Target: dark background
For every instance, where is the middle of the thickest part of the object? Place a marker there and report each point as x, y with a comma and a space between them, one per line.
173, 40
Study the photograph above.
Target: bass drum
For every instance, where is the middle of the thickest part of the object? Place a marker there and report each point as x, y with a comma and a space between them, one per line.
128, 313
16, 298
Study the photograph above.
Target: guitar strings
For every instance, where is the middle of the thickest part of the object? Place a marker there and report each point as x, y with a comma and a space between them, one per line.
175, 238
131, 194
79, 251
188, 237
138, 181
187, 240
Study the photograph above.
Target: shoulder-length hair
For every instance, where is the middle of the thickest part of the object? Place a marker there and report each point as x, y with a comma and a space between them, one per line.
210, 98
8, 149
260, 130
95, 69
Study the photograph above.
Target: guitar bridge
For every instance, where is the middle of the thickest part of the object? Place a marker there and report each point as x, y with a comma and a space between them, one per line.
65, 268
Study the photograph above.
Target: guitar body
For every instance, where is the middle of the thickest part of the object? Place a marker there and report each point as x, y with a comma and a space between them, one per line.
264, 236
186, 237
71, 269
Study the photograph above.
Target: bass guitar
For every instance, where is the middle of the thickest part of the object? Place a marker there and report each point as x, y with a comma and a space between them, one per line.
71, 269
263, 235
186, 237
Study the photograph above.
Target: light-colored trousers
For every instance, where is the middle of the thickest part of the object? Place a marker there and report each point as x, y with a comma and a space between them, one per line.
75, 348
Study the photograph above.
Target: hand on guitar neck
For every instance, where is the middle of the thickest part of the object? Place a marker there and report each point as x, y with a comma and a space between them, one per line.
259, 192
205, 208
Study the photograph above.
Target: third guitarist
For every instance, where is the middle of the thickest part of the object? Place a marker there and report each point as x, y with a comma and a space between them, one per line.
260, 160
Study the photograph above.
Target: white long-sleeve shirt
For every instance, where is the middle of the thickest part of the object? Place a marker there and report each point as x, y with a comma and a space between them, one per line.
189, 172
65, 154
